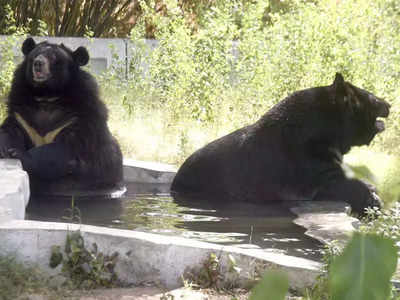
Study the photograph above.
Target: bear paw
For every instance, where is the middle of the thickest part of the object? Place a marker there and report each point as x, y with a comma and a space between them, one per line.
6, 152
15, 153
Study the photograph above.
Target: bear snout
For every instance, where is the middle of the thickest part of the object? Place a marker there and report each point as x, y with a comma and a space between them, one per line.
383, 109
40, 69
37, 65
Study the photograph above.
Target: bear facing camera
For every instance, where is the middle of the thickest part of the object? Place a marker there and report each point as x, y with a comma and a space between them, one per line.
294, 152
56, 123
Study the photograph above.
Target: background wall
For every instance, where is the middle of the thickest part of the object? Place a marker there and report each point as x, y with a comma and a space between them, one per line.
102, 51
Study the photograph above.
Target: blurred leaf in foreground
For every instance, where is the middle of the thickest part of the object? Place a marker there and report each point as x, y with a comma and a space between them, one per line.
364, 269
273, 286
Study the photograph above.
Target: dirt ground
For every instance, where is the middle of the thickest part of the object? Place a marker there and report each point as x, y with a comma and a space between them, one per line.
146, 293
152, 293
142, 293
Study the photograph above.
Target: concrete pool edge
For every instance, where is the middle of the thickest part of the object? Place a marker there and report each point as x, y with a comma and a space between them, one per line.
148, 172
325, 221
145, 257
163, 259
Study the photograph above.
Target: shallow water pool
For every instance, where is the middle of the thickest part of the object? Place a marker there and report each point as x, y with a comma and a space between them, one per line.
150, 208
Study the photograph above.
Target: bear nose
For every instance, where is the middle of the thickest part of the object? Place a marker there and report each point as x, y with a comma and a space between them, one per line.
37, 65
383, 109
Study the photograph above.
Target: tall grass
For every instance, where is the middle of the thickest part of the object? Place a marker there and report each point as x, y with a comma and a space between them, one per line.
198, 86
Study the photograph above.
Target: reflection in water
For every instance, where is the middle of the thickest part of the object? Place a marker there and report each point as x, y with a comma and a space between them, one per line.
149, 207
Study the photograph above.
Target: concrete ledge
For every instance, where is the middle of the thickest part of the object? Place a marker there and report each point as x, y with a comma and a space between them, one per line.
148, 172
325, 221
145, 257
6, 214
14, 190
14, 184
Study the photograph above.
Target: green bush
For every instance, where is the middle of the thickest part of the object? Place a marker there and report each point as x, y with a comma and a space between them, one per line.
7, 67
242, 58
236, 65
7, 63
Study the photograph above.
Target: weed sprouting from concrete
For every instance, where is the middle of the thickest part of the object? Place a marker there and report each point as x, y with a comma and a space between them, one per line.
83, 267
73, 213
212, 275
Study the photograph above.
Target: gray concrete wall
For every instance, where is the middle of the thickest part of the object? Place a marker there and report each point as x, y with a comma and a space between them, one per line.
149, 258
103, 52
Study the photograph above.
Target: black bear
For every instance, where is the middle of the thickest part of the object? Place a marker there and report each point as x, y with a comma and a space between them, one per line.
294, 152
57, 124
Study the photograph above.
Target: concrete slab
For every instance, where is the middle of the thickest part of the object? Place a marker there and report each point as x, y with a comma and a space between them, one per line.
10, 164
5, 214
325, 221
14, 190
148, 172
134, 172
145, 257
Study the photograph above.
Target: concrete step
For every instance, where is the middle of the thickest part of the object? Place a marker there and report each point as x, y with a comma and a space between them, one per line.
14, 190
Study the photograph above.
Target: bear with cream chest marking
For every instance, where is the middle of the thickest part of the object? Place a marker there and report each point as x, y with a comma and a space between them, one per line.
57, 124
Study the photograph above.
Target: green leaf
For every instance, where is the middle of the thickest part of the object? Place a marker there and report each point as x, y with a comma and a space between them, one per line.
364, 269
273, 286
56, 256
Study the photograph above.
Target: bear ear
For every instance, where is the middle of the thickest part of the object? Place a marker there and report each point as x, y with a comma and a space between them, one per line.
28, 45
339, 86
344, 93
80, 56
339, 82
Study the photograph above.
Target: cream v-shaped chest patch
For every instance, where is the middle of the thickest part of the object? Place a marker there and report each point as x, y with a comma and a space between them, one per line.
36, 138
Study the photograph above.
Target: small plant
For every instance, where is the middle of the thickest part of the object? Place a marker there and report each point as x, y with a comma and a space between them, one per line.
85, 268
383, 222
73, 213
167, 297
211, 275
320, 289
183, 145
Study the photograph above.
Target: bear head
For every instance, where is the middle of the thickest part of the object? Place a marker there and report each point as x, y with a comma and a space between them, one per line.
361, 110
49, 66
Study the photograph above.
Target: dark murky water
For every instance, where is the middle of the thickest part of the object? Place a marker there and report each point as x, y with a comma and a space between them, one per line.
149, 208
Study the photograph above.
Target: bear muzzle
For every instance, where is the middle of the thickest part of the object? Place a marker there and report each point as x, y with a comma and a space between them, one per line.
382, 111
40, 69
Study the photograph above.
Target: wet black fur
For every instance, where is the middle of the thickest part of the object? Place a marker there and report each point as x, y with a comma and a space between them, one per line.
294, 152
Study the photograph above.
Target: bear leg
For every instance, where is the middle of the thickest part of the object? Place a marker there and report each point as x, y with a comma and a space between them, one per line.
50, 161
5, 144
357, 193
